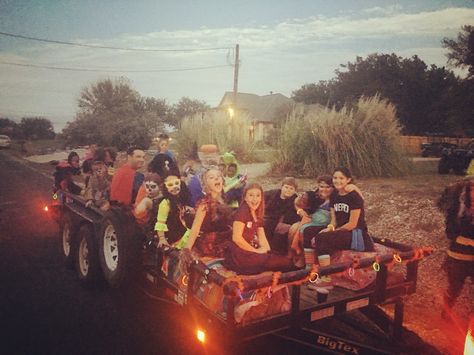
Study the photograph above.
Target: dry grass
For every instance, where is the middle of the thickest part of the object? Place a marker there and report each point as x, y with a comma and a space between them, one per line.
365, 138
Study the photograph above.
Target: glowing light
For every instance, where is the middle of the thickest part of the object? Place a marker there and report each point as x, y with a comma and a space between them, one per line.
231, 112
469, 344
201, 335
46, 209
376, 266
55, 197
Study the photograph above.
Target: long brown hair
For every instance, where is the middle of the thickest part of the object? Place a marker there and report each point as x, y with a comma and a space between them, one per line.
261, 208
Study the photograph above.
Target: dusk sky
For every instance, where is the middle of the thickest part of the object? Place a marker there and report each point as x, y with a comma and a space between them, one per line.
283, 45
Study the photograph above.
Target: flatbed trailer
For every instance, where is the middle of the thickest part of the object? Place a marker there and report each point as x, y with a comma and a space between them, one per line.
108, 244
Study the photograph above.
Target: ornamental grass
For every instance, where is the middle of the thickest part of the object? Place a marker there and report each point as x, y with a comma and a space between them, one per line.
364, 137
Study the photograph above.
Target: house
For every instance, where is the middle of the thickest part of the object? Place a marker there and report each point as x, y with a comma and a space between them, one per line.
263, 110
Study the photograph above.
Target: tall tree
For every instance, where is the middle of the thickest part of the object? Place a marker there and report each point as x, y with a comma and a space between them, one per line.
419, 93
186, 107
111, 112
37, 128
10, 127
461, 51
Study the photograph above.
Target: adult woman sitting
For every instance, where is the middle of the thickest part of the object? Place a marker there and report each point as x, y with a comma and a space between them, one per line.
250, 252
347, 229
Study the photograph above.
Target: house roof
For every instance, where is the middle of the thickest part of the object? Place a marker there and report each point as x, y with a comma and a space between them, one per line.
262, 108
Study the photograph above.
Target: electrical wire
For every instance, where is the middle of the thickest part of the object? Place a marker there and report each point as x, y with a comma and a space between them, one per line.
110, 47
110, 70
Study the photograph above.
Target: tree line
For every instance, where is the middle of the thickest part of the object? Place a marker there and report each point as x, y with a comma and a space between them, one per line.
29, 128
428, 99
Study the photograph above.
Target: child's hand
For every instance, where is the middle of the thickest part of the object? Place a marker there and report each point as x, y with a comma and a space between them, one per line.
352, 187
88, 203
162, 241
301, 212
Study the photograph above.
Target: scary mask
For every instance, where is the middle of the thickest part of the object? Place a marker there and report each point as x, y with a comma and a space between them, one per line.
99, 169
152, 185
173, 185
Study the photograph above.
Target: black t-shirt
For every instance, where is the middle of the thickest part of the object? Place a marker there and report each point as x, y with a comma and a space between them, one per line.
343, 205
276, 207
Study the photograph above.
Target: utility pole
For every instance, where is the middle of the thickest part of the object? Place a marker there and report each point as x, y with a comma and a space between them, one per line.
236, 75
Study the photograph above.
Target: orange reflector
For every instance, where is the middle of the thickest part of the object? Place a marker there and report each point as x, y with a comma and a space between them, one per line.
469, 344
201, 335
46, 209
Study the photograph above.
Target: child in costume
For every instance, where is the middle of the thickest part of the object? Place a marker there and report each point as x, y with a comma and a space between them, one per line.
146, 204
234, 184
170, 226
211, 226
457, 204
97, 190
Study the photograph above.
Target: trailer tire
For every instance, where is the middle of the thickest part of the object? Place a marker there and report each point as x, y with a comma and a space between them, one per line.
67, 238
118, 250
87, 260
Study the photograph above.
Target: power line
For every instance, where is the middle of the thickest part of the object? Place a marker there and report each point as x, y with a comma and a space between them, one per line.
110, 47
110, 70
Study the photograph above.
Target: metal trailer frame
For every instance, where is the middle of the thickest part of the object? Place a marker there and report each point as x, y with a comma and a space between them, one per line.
299, 325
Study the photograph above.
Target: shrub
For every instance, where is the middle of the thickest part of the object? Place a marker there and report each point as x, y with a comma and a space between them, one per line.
364, 138
215, 127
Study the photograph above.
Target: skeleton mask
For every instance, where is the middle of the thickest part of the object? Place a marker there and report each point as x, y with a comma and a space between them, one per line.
173, 185
152, 189
152, 185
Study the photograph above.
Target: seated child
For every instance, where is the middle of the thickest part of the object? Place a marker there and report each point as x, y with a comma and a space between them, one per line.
249, 252
170, 226
234, 184
64, 172
97, 190
146, 204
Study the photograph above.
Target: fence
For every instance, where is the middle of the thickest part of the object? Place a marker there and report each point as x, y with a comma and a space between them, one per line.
413, 143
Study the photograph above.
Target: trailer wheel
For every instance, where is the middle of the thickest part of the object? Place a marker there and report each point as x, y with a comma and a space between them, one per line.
443, 165
67, 235
87, 262
118, 251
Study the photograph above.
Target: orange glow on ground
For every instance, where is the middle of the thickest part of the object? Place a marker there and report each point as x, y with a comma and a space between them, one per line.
469, 344
201, 335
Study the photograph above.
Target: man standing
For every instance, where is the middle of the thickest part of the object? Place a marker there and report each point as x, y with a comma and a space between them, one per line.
127, 179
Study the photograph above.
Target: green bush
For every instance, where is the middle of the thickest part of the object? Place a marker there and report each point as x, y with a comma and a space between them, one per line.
216, 127
365, 138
